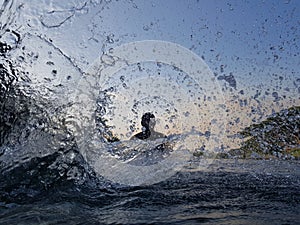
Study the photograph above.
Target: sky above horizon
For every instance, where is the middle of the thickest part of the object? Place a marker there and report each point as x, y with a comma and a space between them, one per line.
257, 42
252, 47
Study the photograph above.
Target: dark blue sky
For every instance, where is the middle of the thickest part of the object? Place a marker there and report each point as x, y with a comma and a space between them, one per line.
256, 42
252, 46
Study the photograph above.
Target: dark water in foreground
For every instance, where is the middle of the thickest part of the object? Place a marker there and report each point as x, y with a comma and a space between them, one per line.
229, 192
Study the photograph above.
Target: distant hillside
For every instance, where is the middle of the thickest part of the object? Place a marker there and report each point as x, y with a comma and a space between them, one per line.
277, 136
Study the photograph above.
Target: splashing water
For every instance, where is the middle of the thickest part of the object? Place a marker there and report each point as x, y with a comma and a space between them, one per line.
149, 76
107, 101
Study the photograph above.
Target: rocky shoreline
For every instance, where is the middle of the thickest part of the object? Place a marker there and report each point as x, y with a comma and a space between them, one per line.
278, 137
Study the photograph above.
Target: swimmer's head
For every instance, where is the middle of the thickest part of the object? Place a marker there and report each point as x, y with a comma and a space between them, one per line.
148, 120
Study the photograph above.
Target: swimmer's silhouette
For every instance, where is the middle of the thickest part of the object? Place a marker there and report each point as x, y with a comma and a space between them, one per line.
148, 124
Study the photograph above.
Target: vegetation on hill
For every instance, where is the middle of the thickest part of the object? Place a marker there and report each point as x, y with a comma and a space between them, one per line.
277, 136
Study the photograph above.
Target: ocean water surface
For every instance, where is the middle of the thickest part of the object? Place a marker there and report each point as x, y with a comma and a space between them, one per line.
229, 192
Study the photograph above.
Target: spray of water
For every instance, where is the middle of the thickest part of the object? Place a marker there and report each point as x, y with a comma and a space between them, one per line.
149, 76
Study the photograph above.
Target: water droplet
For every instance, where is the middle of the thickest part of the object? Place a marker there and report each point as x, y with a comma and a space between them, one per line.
108, 60
187, 114
146, 27
110, 39
122, 78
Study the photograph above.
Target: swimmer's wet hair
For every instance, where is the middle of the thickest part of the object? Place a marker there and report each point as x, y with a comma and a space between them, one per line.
146, 119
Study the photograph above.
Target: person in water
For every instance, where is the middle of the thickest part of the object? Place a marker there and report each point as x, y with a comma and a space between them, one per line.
148, 124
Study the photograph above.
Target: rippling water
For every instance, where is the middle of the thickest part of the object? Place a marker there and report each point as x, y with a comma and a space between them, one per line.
229, 192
